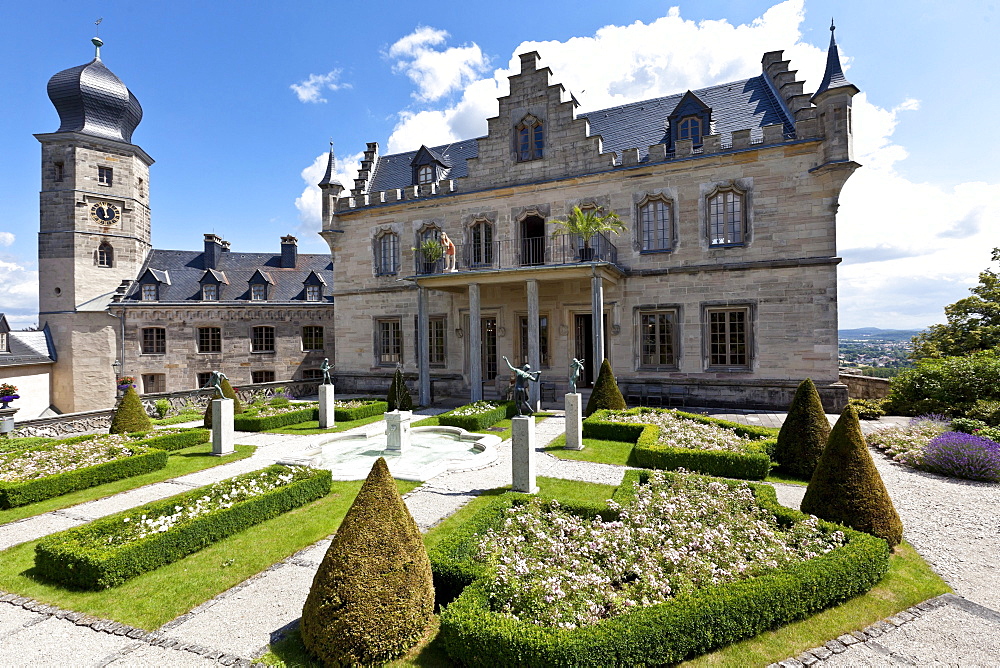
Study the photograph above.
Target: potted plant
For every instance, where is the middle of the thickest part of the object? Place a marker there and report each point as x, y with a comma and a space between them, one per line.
8, 393
585, 224
125, 382
431, 251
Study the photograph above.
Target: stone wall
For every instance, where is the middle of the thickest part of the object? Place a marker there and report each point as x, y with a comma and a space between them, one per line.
865, 387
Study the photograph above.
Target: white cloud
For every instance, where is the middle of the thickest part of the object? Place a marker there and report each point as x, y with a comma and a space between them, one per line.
436, 72
6, 238
309, 203
18, 290
311, 90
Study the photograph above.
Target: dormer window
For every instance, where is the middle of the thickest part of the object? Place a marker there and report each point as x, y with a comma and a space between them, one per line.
258, 292
210, 292
530, 139
690, 120
425, 175
4, 342
690, 128
150, 292
314, 293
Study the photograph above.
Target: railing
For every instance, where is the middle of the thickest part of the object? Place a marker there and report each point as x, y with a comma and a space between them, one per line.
527, 252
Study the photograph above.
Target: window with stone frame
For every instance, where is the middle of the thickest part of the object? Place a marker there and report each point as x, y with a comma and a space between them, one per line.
312, 374
262, 339
543, 340
387, 254
105, 255
60, 171
425, 174
726, 217
4, 342
210, 292
262, 376
657, 339
154, 382
106, 176
312, 337
314, 293
258, 292
437, 328
203, 378
149, 292
729, 337
388, 341
530, 137
481, 248
209, 339
690, 127
655, 216
153, 341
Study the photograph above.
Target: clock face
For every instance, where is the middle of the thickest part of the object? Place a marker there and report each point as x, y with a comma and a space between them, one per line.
105, 213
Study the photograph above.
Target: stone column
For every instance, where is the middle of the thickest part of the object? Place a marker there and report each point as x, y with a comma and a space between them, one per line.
597, 308
326, 407
223, 435
523, 460
534, 352
423, 348
574, 422
475, 345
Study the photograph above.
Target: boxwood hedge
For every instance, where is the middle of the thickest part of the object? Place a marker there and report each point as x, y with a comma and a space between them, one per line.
310, 413
475, 635
479, 421
69, 558
176, 441
372, 407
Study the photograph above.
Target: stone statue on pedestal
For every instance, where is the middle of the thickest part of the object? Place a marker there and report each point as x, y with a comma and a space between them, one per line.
325, 368
524, 375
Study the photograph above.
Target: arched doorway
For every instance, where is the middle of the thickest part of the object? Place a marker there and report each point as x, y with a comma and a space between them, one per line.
532, 241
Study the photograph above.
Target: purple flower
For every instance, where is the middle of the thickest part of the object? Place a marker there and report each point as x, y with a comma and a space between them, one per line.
10, 397
963, 456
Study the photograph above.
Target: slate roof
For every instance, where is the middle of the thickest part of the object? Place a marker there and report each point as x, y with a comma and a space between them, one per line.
186, 268
28, 348
737, 105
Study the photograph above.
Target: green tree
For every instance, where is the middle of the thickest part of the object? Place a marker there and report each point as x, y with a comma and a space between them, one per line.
398, 396
803, 434
606, 394
129, 415
973, 323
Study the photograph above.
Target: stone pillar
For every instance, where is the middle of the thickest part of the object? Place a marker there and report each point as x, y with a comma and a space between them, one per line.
326, 407
423, 348
597, 309
397, 431
574, 421
534, 353
222, 427
475, 345
523, 460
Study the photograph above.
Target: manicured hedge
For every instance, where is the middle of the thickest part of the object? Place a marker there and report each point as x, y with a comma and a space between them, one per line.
649, 453
176, 441
246, 422
61, 558
145, 460
375, 407
479, 421
667, 633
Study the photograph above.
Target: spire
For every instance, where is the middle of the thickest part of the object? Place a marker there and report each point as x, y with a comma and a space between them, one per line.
331, 169
834, 75
98, 43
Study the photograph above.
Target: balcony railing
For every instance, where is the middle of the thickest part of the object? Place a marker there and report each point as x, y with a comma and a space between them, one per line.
515, 253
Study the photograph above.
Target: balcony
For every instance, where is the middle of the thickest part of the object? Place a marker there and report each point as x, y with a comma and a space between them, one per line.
565, 249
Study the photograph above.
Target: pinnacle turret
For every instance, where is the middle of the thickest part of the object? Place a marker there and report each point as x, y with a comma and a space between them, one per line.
833, 77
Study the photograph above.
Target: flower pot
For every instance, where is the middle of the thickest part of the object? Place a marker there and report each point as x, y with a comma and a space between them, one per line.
586, 254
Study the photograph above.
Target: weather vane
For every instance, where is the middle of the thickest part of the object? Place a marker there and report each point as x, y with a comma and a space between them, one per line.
98, 24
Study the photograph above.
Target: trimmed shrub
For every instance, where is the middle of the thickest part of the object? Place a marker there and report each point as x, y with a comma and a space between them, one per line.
263, 423
373, 407
129, 415
373, 595
606, 394
145, 460
178, 441
478, 421
963, 456
399, 397
162, 407
77, 558
227, 393
847, 488
804, 433
986, 410
868, 409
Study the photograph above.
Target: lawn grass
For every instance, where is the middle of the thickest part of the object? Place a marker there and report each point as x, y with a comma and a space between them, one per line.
312, 426
180, 462
502, 428
785, 478
152, 599
594, 450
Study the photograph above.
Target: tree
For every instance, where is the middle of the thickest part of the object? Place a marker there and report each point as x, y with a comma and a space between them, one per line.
398, 396
606, 394
129, 415
973, 322
585, 224
373, 595
227, 393
846, 488
804, 433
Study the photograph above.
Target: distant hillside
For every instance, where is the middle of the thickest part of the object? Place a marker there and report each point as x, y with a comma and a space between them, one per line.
876, 334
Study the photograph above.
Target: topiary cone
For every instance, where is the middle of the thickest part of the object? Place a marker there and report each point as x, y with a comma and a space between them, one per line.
373, 595
227, 393
399, 397
129, 415
804, 434
606, 393
846, 487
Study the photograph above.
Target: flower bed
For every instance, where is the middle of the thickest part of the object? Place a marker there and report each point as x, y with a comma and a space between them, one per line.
478, 415
670, 440
274, 417
619, 596
109, 551
174, 439
928, 444
906, 444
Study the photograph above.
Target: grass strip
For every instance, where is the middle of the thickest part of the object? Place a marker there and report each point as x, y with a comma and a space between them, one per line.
312, 426
180, 462
503, 428
180, 418
152, 599
594, 450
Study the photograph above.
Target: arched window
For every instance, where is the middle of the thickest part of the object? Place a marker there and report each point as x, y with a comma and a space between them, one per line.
726, 218
386, 254
425, 174
482, 243
105, 255
530, 139
690, 128
655, 219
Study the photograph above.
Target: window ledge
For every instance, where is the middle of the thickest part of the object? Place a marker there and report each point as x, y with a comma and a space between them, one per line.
656, 251
739, 245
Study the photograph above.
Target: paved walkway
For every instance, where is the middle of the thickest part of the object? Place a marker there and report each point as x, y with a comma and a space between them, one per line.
238, 624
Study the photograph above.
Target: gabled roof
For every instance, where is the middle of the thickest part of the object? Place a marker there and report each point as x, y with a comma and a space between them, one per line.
160, 276
690, 104
27, 348
214, 276
426, 156
314, 279
4, 327
260, 277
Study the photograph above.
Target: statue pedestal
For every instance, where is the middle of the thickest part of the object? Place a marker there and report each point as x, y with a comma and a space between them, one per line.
574, 422
326, 407
223, 434
523, 460
397, 431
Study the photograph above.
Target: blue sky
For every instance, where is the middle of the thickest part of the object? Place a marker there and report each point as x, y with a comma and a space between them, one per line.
240, 99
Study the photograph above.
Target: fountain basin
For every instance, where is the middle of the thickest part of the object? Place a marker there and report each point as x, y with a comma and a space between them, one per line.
432, 451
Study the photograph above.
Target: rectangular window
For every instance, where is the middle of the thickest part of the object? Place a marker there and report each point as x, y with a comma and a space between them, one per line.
154, 341
60, 171
141, 187
262, 339
154, 382
149, 292
262, 377
314, 293
4, 343
312, 374
387, 254
436, 336
725, 217
729, 337
312, 337
209, 340
258, 292
657, 339
202, 378
654, 221
543, 339
105, 176
210, 292
389, 341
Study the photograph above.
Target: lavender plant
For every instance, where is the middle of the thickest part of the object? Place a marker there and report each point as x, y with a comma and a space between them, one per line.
906, 444
960, 455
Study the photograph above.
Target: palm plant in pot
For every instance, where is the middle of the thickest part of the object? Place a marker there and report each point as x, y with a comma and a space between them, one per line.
431, 251
585, 224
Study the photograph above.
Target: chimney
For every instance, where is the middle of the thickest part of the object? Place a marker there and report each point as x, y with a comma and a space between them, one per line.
289, 251
213, 249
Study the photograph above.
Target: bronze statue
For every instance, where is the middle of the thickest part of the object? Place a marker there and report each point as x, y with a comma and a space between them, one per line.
215, 382
575, 369
325, 368
524, 374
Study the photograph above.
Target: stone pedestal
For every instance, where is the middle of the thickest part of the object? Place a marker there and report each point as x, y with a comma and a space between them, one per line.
523, 460
574, 422
326, 407
223, 435
397, 431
